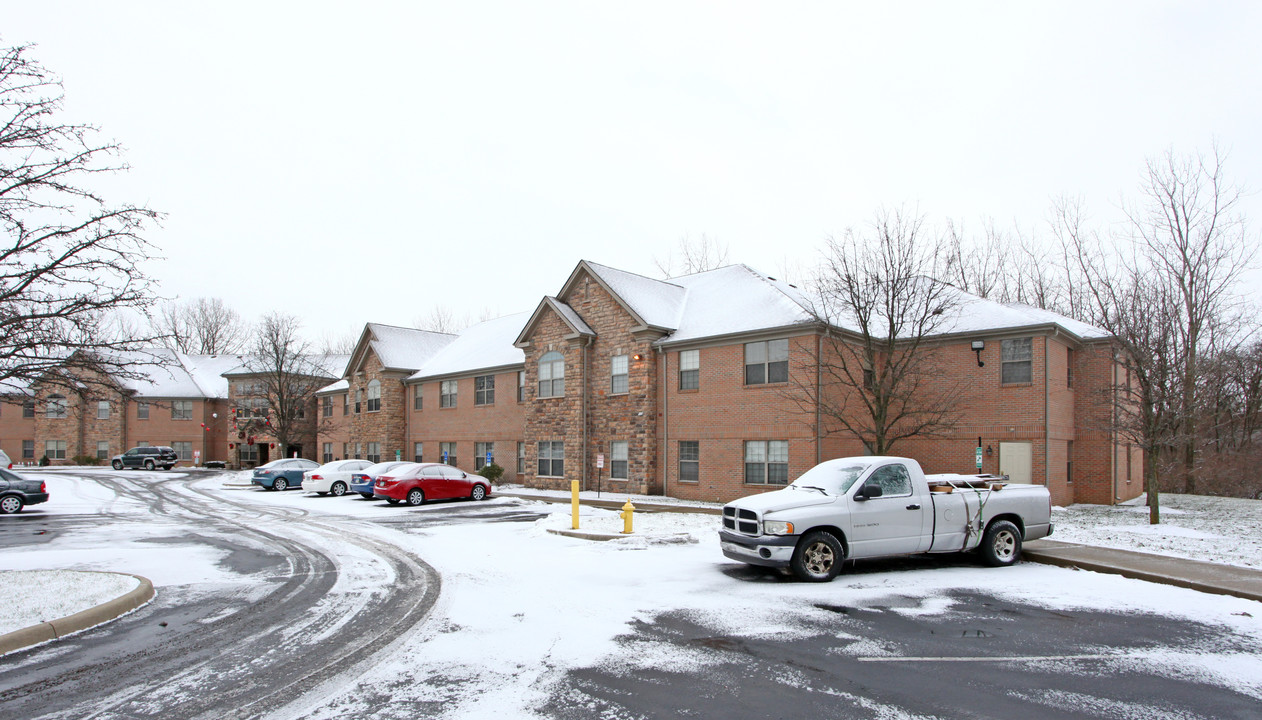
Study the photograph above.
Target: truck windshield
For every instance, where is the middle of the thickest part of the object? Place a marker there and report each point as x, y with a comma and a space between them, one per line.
832, 479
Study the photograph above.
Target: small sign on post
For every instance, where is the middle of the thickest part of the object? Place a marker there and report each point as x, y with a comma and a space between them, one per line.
398, 455
979, 459
489, 459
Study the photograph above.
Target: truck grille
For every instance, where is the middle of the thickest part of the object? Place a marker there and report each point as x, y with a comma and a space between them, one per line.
740, 520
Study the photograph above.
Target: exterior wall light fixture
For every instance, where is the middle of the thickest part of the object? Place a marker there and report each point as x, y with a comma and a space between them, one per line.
978, 346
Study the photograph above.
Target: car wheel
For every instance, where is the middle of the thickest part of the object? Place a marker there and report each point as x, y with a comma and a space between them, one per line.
148, 464
479, 493
367, 496
1001, 545
10, 504
392, 501
280, 484
818, 557
338, 489
118, 464
415, 497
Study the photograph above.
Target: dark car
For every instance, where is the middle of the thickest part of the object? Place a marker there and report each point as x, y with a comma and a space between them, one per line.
418, 482
362, 481
283, 474
16, 492
147, 457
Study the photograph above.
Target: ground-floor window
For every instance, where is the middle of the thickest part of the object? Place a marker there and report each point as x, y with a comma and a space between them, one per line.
248, 453
55, 449
419, 449
359, 451
618, 460
184, 449
767, 462
689, 460
346, 451
447, 453
102, 450
521, 458
374, 452
483, 454
28, 449
552, 459
327, 455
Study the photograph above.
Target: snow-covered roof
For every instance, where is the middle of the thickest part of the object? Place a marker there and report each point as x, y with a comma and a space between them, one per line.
658, 303
400, 348
484, 346
732, 300
342, 385
167, 373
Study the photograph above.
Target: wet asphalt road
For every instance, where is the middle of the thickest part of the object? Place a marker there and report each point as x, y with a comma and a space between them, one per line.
227, 653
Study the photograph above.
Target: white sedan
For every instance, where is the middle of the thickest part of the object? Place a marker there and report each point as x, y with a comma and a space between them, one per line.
332, 478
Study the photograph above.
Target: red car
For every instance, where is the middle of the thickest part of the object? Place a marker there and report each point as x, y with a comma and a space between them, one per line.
418, 482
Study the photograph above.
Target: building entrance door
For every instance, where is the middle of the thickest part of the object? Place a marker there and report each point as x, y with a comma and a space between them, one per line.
1016, 460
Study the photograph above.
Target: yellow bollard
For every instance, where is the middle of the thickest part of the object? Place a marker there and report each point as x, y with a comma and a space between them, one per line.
627, 511
574, 501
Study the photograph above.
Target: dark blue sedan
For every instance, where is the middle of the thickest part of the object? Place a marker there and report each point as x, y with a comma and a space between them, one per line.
282, 474
363, 480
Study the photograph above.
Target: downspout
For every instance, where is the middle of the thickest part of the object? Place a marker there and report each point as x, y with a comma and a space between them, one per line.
663, 391
583, 406
819, 399
1047, 416
408, 409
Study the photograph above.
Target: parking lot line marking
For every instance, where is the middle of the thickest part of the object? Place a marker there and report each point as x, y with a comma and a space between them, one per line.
1006, 658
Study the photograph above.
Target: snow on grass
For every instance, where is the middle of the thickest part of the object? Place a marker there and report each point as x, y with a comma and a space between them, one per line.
29, 597
1214, 529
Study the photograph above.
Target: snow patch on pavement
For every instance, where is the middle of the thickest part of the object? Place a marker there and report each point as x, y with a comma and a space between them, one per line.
29, 597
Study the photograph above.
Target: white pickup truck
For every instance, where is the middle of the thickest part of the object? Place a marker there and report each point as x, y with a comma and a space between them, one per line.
863, 507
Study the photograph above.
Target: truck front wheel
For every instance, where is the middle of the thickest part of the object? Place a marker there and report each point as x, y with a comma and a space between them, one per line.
818, 557
1001, 545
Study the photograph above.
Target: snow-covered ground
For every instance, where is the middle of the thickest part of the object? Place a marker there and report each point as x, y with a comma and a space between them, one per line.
520, 606
28, 597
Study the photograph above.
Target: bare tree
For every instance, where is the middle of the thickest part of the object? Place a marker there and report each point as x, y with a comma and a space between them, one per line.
68, 260
287, 374
694, 255
880, 374
202, 326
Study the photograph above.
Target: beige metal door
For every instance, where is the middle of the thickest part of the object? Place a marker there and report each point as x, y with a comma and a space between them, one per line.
1016, 460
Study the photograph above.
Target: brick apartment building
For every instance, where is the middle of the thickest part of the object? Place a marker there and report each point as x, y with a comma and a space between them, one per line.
683, 387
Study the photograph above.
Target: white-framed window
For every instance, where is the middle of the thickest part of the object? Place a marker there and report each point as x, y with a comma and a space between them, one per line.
447, 453
142, 443
689, 460
102, 409
418, 452
418, 399
689, 369
618, 365
181, 409
346, 404
484, 390
248, 453
28, 449
28, 409
327, 454
142, 411
184, 449
326, 409
447, 392
346, 451
374, 395
521, 386
374, 452
767, 462
102, 450
552, 375
55, 449
55, 408
618, 460
552, 459
480, 451
1017, 356
766, 362
521, 458
359, 451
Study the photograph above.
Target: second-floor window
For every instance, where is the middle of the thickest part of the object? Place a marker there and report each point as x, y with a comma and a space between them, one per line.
181, 409
689, 369
28, 409
374, 396
1017, 355
766, 362
552, 375
418, 400
618, 374
56, 407
521, 386
102, 409
142, 411
326, 410
447, 393
484, 390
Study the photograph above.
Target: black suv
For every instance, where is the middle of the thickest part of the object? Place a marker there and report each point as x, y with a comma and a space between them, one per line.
147, 457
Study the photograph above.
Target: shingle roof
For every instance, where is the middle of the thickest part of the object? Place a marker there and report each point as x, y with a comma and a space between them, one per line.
401, 348
484, 346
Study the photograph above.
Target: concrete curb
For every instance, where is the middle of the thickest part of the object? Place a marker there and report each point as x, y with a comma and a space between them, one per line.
1190, 574
61, 627
676, 538
615, 504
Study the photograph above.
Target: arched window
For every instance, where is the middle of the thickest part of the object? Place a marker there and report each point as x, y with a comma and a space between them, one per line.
552, 375
374, 395
56, 407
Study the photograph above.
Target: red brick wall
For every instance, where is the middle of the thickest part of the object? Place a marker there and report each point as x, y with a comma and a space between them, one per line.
501, 422
14, 428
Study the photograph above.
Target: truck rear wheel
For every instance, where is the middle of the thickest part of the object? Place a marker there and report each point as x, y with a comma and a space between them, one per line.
1001, 545
818, 557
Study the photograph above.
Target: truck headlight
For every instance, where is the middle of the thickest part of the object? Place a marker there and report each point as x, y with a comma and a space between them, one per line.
776, 527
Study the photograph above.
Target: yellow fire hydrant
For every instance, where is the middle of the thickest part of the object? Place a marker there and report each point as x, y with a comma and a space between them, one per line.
574, 501
627, 511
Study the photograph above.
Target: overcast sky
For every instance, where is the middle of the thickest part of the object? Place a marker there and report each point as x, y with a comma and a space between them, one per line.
355, 162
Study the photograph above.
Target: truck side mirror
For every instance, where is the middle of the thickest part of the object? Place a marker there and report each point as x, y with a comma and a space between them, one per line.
868, 491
